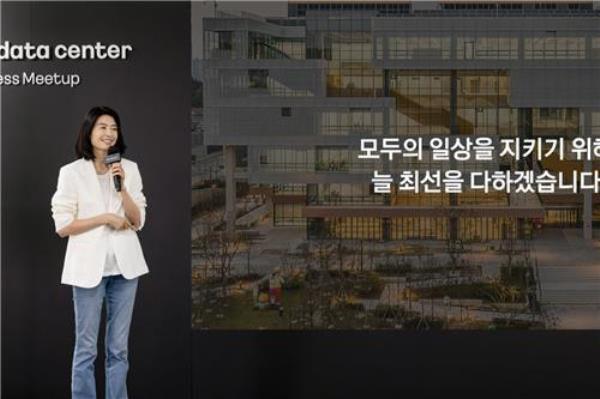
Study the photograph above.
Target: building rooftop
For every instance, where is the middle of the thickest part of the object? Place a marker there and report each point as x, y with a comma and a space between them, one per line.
448, 8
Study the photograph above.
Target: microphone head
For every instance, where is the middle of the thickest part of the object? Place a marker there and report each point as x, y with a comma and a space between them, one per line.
113, 156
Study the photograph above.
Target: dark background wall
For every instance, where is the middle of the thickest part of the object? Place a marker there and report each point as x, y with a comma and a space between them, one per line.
151, 90
396, 364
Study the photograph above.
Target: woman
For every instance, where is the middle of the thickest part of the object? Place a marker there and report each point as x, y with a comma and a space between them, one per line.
104, 258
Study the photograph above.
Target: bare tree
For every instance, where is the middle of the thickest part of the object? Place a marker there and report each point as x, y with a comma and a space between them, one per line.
454, 247
217, 251
324, 251
508, 244
292, 263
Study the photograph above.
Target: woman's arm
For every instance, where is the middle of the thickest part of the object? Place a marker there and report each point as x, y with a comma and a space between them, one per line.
64, 210
132, 212
79, 226
134, 201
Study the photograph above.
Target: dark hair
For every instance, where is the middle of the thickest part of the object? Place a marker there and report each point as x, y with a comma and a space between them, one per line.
83, 145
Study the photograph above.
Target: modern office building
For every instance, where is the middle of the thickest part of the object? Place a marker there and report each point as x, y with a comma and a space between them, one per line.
296, 95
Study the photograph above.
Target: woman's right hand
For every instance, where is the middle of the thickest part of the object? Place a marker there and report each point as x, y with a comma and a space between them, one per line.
116, 222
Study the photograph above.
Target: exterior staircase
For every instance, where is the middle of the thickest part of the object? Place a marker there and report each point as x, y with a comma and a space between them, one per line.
428, 115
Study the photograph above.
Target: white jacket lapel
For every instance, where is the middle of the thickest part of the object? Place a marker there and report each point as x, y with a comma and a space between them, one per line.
92, 182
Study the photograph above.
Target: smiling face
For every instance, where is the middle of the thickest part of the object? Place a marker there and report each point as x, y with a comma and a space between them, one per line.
104, 133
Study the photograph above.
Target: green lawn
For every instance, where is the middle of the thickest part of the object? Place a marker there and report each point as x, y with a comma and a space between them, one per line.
238, 313
310, 301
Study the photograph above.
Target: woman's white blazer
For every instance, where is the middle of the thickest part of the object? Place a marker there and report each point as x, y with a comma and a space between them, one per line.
78, 196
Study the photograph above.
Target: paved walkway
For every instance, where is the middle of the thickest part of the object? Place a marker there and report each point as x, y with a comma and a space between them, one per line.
269, 250
455, 309
569, 270
574, 317
569, 267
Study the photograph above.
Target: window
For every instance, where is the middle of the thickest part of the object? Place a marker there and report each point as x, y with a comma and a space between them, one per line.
595, 119
469, 47
489, 47
258, 78
551, 46
550, 113
225, 40
286, 111
418, 47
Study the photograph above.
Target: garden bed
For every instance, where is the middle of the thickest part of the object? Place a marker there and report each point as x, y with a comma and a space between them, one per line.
487, 292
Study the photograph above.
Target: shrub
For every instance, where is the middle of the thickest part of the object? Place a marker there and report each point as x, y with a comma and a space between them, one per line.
515, 275
368, 285
488, 292
499, 324
384, 311
293, 282
394, 268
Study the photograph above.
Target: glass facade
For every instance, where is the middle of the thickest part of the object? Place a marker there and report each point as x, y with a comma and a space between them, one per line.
470, 229
487, 48
562, 217
350, 71
335, 159
263, 46
288, 215
419, 228
422, 102
349, 228
482, 103
344, 194
448, 80
417, 47
352, 121
555, 122
552, 47
220, 44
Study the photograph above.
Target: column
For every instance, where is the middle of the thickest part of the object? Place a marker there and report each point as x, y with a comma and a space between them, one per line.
524, 131
453, 220
229, 163
386, 164
585, 128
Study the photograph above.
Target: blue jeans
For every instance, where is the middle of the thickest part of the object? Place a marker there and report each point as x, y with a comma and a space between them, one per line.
120, 296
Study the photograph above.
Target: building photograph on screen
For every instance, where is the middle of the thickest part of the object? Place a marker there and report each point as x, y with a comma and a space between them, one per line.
395, 165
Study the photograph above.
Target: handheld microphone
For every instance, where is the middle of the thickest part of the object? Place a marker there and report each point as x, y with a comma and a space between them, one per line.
114, 156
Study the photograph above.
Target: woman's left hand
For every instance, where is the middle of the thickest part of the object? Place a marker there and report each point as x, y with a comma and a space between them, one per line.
117, 170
